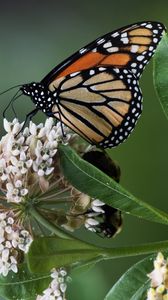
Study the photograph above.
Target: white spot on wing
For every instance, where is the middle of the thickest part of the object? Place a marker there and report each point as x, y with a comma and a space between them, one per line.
74, 74
115, 34
149, 26
100, 41
140, 57
124, 34
155, 40
125, 40
107, 45
134, 48
83, 50
113, 49
92, 72
117, 70
102, 69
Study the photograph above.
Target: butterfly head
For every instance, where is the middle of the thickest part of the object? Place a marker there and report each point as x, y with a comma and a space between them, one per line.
39, 95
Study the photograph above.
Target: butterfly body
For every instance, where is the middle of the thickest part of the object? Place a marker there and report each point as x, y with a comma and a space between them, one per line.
96, 91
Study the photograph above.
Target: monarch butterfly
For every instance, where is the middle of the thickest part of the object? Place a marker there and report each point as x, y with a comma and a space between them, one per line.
95, 91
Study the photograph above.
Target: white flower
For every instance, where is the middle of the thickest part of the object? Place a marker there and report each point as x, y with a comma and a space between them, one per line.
16, 192
33, 128
13, 238
159, 279
90, 224
12, 127
16, 128
32, 151
96, 206
7, 125
57, 287
94, 215
3, 170
49, 124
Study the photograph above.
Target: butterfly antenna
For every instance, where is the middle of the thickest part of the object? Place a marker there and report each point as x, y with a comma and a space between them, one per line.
16, 96
13, 87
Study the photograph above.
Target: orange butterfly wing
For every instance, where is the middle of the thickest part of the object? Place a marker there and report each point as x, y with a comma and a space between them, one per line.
129, 47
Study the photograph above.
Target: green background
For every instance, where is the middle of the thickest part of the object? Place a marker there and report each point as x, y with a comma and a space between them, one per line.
34, 37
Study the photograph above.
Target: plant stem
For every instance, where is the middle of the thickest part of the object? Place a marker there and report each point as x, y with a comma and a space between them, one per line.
54, 195
134, 250
54, 229
59, 201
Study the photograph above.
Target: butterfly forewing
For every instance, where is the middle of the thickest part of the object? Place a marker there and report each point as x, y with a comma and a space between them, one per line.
129, 47
101, 104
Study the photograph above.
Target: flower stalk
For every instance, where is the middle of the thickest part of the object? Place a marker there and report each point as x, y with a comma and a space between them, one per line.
48, 225
142, 249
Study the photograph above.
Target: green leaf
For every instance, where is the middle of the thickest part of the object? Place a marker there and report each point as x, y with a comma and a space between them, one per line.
84, 268
53, 252
134, 283
89, 180
161, 73
23, 285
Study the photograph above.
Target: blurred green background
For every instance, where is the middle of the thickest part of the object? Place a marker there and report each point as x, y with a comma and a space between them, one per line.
34, 37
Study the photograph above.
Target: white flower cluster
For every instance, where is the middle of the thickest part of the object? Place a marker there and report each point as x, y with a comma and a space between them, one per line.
57, 287
27, 152
159, 279
15, 191
95, 210
12, 239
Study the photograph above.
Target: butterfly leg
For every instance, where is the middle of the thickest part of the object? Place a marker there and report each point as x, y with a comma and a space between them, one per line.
28, 118
62, 129
50, 114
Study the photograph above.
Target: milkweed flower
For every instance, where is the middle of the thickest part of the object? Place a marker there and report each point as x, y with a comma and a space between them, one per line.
57, 287
27, 162
31, 178
13, 239
159, 279
28, 157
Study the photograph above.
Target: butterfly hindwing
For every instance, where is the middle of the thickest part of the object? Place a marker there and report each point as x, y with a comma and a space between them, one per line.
101, 104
